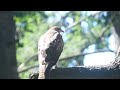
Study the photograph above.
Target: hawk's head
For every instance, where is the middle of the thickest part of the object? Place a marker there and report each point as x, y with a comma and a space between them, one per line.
56, 28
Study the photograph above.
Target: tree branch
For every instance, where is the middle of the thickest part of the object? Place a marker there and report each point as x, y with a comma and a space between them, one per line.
83, 54
67, 58
84, 72
24, 70
111, 71
76, 23
102, 34
21, 66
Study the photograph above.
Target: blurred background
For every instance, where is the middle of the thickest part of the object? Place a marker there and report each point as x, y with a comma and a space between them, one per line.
90, 37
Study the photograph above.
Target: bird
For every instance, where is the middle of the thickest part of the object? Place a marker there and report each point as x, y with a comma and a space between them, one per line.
50, 47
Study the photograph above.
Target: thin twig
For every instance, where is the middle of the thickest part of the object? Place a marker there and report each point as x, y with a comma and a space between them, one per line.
21, 66
83, 54
24, 70
76, 23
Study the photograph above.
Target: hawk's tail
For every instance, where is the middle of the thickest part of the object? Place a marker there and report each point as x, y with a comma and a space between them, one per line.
48, 69
44, 71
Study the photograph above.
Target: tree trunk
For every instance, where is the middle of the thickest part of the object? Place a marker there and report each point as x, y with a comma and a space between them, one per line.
116, 24
8, 64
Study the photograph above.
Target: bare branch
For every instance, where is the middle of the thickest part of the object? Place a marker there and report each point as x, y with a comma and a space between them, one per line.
63, 18
67, 58
21, 66
102, 34
76, 23
83, 54
60, 23
24, 70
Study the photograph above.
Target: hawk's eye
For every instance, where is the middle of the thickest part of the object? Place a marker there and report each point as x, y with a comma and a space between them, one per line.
57, 29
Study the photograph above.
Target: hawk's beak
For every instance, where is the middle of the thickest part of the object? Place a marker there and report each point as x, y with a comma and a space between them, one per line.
61, 31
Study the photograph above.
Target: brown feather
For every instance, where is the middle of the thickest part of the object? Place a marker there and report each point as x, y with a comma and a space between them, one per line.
50, 47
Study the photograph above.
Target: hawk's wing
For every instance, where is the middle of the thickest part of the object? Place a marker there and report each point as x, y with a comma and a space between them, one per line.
54, 50
49, 50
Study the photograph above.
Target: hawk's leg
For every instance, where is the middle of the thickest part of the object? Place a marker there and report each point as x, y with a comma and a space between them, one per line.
54, 67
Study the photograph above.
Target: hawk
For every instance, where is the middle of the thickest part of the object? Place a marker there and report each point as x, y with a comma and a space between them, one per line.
50, 47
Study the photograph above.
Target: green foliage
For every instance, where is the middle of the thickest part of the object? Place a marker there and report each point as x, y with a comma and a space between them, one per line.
30, 25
